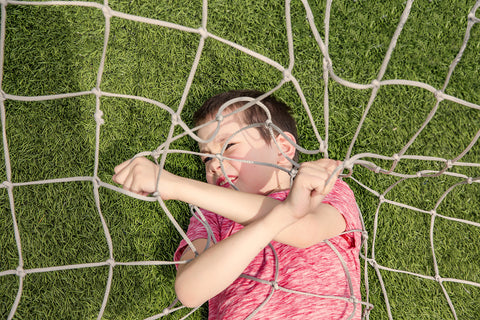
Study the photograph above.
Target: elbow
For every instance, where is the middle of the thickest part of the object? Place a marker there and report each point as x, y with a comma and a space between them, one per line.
187, 294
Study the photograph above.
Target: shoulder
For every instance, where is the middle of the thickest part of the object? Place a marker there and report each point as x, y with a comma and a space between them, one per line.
341, 192
343, 199
342, 188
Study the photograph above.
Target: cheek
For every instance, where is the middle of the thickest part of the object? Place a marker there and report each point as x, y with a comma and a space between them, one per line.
209, 180
255, 173
209, 177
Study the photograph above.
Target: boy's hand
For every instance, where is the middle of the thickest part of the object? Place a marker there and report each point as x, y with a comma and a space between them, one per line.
140, 176
309, 186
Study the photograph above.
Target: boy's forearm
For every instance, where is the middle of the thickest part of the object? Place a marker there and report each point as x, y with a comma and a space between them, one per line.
240, 207
217, 267
246, 208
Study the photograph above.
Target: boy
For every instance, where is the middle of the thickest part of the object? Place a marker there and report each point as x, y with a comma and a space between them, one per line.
274, 241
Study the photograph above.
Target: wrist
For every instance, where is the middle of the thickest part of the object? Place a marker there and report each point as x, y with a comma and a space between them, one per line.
169, 186
279, 218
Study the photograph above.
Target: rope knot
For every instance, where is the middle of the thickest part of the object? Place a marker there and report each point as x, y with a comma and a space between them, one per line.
155, 154
439, 95
96, 92
219, 118
274, 285
348, 164
287, 75
203, 32
449, 164
175, 119
107, 12
97, 181
20, 272
364, 234
98, 117
328, 62
325, 62
376, 83
353, 300
6, 184
165, 311
373, 262
268, 123
293, 172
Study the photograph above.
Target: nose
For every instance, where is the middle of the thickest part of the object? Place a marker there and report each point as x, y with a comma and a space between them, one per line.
213, 166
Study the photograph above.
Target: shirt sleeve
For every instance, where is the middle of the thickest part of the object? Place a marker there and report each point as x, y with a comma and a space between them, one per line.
342, 198
199, 229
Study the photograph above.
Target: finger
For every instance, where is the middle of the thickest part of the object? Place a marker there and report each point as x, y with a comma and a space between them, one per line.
134, 187
121, 166
325, 162
137, 187
321, 174
336, 169
324, 166
120, 177
126, 170
127, 184
333, 167
330, 183
333, 164
328, 174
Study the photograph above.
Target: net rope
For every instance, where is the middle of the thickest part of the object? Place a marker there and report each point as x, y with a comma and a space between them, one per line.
160, 154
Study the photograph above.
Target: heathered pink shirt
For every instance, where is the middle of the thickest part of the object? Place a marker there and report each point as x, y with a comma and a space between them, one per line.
282, 273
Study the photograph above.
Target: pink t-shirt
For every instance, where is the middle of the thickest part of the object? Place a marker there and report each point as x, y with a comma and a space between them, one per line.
316, 270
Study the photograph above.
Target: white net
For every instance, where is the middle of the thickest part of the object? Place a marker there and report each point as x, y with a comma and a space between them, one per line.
410, 168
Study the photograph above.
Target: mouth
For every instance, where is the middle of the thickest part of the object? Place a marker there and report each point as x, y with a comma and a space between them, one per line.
223, 182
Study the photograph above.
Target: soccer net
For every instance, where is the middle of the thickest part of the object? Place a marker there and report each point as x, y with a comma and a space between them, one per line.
411, 153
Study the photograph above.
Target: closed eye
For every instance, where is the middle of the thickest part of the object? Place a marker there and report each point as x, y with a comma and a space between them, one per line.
229, 145
206, 159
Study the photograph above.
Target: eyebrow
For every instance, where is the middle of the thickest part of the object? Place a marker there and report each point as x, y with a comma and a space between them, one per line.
218, 139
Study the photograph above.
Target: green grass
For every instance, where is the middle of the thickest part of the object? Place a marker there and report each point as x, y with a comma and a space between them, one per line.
57, 49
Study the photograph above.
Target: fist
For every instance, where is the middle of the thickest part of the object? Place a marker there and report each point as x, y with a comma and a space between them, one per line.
138, 175
312, 183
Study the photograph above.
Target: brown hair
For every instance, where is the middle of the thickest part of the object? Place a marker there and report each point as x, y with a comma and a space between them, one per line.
280, 112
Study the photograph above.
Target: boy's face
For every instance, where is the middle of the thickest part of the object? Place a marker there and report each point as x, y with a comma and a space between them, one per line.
245, 145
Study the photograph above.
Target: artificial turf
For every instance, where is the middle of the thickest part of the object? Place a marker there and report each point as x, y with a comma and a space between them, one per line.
52, 50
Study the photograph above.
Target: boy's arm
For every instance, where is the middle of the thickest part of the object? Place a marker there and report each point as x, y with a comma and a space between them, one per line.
246, 208
217, 267
140, 175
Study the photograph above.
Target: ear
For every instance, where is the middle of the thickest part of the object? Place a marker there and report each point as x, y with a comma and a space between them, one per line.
287, 148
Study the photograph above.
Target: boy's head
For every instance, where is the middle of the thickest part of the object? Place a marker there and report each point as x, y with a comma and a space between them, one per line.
280, 113
252, 159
